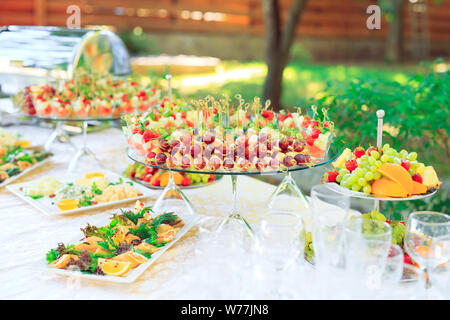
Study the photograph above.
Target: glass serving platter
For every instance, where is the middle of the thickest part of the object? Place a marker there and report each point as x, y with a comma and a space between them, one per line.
362, 195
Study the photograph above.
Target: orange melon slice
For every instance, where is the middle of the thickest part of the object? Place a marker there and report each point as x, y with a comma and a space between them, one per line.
164, 178
384, 187
419, 188
398, 174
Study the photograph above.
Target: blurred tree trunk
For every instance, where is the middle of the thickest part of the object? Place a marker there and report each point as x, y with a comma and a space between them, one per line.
278, 42
394, 40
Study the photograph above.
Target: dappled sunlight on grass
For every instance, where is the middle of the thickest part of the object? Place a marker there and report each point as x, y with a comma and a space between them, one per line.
300, 81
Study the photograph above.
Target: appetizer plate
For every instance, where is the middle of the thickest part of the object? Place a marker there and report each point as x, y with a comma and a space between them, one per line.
362, 195
131, 276
24, 172
48, 205
195, 186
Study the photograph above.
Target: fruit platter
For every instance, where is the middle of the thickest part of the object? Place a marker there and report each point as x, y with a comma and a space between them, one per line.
54, 196
122, 248
158, 179
219, 136
382, 173
87, 96
15, 161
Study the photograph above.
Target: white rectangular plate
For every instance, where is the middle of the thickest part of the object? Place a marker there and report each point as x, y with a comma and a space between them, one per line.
132, 275
45, 205
24, 172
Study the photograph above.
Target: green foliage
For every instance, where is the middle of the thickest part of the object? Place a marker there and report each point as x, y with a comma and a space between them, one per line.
417, 113
139, 43
300, 54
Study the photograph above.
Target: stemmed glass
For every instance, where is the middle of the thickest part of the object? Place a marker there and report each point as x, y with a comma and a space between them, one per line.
438, 266
278, 243
421, 230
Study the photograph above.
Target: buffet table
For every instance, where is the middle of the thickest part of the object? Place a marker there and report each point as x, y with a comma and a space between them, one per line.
27, 234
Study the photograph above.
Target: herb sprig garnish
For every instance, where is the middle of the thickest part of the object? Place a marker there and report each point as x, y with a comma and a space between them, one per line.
108, 243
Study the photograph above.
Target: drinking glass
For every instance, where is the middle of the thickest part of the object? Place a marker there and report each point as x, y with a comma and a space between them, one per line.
366, 249
438, 267
329, 211
411, 286
392, 273
279, 241
421, 229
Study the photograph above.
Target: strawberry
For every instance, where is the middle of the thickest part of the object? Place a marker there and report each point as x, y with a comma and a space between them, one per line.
407, 259
315, 133
211, 178
310, 141
306, 122
351, 165
417, 177
269, 115
156, 183
326, 124
314, 124
149, 135
332, 176
281, 117
186, 181
359, 152
406, 164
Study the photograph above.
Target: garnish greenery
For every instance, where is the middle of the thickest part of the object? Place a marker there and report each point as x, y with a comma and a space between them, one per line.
95, 189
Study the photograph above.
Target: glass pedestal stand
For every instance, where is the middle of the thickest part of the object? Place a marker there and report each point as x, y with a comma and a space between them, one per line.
173, 199
83, 151
58, 134
287, 190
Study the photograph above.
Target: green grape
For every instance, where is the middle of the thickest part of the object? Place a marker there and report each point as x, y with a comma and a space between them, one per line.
356, 187
386, 146
369, 176
339, 179
390, 152
414, 165
372, 160
365, 170
362, 182
378, 164
367, 189
403, 154
353, 179
384, 158
363, 163
358, 172
373, 168
397, 161
412, 156
375, 154
346, 176
364, 157
377, 216
343, 172
411, 171
376, 175
346, 184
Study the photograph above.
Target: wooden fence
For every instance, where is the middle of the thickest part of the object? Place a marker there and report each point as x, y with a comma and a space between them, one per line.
344, 19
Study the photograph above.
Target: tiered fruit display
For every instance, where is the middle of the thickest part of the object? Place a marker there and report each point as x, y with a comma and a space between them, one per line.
160, 178
383, 173
88, 97
216, 136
